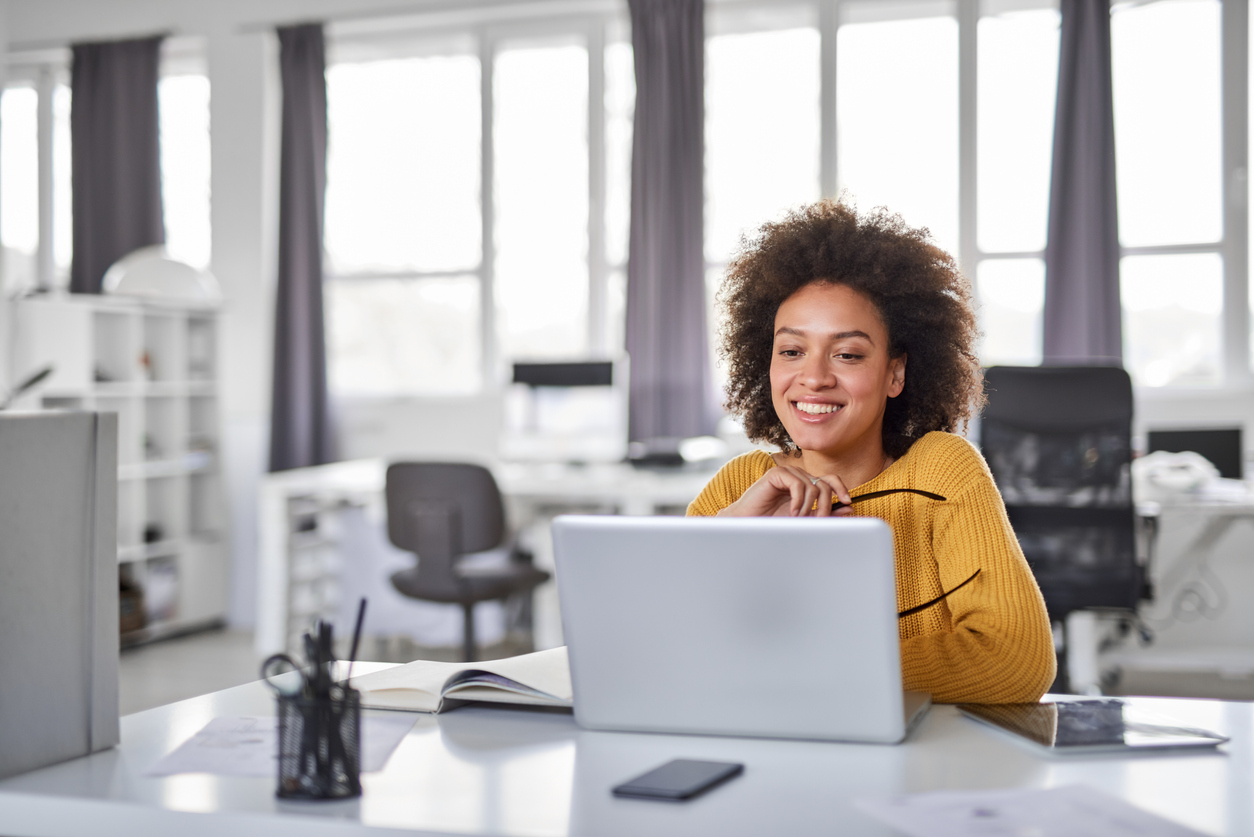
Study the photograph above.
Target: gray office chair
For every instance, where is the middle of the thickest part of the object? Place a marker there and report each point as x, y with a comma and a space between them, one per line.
442, 511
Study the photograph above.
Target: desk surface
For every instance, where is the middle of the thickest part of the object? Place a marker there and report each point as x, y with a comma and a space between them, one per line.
513, 772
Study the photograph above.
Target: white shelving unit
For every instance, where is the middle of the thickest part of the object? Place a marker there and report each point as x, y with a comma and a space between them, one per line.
155, 364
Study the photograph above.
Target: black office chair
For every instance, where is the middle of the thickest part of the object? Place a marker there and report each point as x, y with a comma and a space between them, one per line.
1059, 443
442, 511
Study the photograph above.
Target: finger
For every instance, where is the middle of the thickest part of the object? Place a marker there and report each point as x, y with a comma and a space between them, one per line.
801, 498
823, 506
838, 487
806, 489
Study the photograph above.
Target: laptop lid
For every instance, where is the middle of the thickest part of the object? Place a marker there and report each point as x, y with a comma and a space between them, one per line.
775, 627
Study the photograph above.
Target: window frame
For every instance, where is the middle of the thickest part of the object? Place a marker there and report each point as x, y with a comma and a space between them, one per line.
45, 70
1233, 246
598, 26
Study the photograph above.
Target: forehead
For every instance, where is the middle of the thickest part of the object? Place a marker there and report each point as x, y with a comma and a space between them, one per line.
830, 307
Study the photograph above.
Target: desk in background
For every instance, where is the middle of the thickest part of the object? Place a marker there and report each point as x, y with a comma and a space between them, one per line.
480, 771
1202, 528
296, 581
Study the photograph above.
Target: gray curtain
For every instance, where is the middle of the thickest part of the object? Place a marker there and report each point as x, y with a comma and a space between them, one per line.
666, 328
116, 163
1082, 314
300, 418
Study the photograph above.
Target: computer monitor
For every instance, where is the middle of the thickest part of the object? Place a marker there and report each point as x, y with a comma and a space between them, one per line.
1220, 446
566, 411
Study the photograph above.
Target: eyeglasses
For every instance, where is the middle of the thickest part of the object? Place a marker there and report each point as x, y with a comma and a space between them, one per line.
836, 504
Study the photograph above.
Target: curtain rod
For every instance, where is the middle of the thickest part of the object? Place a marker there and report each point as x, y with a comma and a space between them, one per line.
458, 9
63, 43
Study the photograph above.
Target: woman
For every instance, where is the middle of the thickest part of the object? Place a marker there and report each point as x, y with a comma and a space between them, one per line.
850, 345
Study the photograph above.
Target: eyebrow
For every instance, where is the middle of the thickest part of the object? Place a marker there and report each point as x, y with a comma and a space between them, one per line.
840, 335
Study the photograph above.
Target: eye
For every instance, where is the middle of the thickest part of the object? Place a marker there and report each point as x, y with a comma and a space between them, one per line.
849, 356
790, 352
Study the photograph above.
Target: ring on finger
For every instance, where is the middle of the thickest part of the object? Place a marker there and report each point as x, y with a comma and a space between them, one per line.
816, 480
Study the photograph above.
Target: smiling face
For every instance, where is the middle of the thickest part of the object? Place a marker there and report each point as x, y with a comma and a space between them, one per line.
831, 375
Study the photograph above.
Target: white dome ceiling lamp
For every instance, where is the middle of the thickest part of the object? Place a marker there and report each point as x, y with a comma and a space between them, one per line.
151, 273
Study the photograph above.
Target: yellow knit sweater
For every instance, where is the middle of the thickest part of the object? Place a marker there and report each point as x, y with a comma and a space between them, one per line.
989, 642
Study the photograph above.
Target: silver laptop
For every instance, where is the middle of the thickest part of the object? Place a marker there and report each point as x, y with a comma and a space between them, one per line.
772, 627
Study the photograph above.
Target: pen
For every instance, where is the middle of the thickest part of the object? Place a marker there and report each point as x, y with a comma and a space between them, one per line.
352, 653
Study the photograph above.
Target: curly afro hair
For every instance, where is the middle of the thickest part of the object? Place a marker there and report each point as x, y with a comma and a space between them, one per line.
922, 298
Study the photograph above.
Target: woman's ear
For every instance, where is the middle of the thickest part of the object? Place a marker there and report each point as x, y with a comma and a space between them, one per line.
897, 369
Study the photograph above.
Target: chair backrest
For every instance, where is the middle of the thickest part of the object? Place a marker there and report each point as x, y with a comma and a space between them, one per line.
1059, 443
469, 489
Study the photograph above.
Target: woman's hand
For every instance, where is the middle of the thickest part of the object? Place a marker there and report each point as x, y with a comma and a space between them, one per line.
788, 491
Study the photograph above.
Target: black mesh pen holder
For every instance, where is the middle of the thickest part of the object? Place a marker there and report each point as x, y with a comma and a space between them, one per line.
320, 745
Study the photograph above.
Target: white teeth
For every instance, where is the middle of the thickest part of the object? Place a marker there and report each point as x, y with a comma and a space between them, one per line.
816, 409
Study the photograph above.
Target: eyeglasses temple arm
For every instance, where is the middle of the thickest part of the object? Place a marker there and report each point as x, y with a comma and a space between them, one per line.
836, 504
926, 605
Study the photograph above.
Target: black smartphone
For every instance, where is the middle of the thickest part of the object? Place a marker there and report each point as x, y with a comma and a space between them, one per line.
679, 779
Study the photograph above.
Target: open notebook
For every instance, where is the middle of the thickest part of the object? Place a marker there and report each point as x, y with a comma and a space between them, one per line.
539, 679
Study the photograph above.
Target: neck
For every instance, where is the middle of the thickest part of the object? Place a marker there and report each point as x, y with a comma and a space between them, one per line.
854, 467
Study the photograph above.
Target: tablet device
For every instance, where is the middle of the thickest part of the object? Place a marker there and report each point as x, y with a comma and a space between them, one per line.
1089, 726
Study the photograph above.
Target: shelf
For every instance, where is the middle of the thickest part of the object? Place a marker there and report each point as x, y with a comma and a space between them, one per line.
168, 629
157, 363
118, 389
309, 540
143, 552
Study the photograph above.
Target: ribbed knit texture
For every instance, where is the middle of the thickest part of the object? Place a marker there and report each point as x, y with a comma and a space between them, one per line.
990, 642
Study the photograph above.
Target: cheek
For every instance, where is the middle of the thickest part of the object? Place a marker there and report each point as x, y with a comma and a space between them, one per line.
778, 382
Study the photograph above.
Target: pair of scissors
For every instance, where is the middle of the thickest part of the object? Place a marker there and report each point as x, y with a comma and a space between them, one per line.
275, 670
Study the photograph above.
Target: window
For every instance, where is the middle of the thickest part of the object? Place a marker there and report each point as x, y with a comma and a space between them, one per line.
36, 166
943, 111
541, 194
19, 183
522, 131
897, 113
762, 154
1166, 63
403, 236
1017, 77
183, 107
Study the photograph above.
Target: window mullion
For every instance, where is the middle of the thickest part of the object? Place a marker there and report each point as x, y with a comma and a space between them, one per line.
1236, 213
829, 24
968, 23
596, 340
487, 267
45, 259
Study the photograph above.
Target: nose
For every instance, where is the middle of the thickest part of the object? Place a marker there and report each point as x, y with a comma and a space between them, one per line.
818, 372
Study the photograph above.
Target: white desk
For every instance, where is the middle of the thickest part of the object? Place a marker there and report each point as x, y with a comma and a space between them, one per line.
479, 771
1171, 571
531, 492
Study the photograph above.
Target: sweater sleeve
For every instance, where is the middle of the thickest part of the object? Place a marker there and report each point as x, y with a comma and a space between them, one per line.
1000, 646
732, 480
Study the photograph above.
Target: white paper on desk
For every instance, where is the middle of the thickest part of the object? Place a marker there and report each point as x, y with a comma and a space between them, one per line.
245, 746
1071, 811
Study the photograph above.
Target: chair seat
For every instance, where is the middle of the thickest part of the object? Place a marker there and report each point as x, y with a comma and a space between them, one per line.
474, 584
